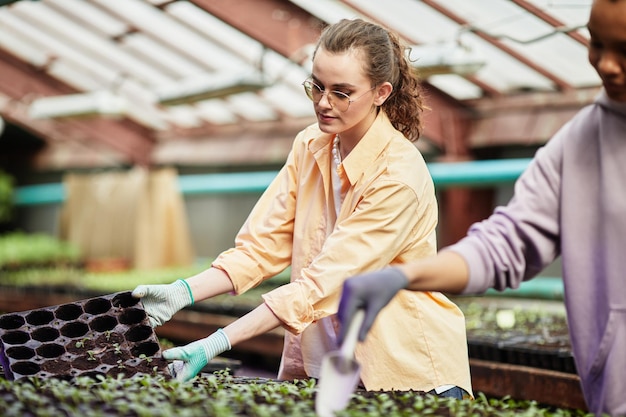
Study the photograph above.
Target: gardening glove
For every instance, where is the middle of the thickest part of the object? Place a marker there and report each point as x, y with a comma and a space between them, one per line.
161, 302
191, 358
370, 292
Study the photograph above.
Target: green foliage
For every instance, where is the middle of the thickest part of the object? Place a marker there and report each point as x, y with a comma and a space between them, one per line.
18, 248
6, 197
221, 394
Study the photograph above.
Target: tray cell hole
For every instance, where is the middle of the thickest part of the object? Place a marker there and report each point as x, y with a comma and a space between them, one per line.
124, 300
133, 362
50, 350
97, 306
132, 316
40, 317
69, 312
103, 323
11, 321
95, 375
17, 337
25, 368
138, 333
74, 329
45, 334
145, 348
57, 368
20, 352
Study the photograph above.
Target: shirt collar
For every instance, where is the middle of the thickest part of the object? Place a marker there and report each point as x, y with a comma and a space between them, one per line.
366, 151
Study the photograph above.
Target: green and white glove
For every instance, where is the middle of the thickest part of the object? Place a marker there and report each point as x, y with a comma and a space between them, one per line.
161, 302
191, 358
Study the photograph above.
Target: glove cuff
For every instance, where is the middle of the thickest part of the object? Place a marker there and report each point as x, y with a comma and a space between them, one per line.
398, 279
216, 343
181, 294
186, 284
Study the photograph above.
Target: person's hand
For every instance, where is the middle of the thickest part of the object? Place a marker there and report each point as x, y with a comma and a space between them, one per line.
161, 302
370, 292
190, 359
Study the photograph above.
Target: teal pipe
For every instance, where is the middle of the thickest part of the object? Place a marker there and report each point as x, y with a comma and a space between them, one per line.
477, 173
234, 183
544, 288
32, 195
445, 174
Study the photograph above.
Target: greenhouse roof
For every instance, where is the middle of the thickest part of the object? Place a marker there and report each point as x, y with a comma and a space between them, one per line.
218, 81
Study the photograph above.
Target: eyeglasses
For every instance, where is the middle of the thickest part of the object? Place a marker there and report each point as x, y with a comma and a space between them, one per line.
337, 99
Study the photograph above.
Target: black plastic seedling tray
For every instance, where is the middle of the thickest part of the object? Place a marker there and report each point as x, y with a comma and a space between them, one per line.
106, 335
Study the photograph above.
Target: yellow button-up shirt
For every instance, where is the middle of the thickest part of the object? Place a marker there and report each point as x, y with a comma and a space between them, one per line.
388, 215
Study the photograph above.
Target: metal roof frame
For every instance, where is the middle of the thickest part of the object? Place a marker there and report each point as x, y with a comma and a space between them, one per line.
65, 47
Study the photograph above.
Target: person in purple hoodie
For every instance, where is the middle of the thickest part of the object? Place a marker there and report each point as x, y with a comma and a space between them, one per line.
569, 202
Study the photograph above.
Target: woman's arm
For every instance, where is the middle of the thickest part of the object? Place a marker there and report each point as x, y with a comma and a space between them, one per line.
258, 321
445, 272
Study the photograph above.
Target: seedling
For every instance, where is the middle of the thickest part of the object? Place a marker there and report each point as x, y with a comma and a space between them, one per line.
146, 358
81, 343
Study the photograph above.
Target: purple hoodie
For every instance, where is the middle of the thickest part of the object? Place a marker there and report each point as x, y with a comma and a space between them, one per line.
570, 201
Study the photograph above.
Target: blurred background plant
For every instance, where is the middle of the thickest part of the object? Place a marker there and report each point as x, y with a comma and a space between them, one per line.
19, 250
6, 198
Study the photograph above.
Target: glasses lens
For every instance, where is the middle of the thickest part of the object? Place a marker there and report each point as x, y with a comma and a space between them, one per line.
340, 100
308, 87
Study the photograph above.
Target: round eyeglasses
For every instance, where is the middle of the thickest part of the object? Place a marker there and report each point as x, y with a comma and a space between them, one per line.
337, 99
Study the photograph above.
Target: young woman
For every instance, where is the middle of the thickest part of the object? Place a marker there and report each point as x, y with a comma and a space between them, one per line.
354, 194
570, 202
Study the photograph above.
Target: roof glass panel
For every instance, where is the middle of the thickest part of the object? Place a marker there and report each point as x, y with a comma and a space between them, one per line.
155, 53
570, 12
290, 102
250, 107
329, 11
241, 49
215, 111
96, 19
89, 43
166, 30
455, 85
20, 47
413, 20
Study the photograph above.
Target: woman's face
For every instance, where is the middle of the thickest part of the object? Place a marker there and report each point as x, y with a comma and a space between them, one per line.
343, 72
607, 47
